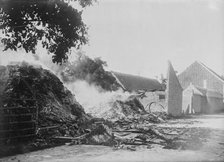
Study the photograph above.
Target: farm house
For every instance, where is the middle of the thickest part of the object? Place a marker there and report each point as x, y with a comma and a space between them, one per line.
203, 89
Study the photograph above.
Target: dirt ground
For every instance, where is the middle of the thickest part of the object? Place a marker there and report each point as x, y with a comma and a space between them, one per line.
202, 140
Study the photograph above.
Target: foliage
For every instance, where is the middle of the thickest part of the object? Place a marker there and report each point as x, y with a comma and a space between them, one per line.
56, 24
91, 70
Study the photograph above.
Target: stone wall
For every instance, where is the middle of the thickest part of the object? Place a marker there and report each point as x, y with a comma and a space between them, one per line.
173, 93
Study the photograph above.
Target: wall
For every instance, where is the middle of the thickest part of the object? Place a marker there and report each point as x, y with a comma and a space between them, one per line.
196, 103
186, 104
173, 93
212, 105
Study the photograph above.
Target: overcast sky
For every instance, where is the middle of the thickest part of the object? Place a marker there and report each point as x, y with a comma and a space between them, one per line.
139, 36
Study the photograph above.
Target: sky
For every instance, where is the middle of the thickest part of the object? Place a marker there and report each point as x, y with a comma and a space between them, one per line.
139, 36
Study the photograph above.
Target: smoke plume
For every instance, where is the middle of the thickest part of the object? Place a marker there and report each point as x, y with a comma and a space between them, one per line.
95, 100
92, 97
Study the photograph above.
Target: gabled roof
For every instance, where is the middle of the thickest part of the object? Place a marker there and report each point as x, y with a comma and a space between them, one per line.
136, 83
196, 73
206, 68
212, 72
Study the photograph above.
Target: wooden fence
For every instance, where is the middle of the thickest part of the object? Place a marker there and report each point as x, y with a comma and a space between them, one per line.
18, 119
18, 123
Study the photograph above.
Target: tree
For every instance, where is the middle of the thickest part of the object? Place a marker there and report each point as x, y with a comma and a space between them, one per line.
90, 70
56, 24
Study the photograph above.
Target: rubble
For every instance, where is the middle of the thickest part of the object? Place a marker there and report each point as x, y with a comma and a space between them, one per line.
61, 119
141, 130
123, 109
133, 126
118, 108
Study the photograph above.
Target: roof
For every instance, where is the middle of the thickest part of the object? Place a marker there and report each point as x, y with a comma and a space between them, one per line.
135, 83
212, 72
206, 68
196, 73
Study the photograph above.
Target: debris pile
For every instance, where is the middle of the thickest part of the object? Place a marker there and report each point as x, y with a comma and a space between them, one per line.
131, 124
59, 114
54, 102
116, 107
123, 109
61, 119
141, 130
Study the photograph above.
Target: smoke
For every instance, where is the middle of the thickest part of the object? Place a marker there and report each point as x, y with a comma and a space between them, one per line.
41, 58
95, 100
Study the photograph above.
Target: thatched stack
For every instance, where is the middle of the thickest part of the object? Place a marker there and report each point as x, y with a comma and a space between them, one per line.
59, 114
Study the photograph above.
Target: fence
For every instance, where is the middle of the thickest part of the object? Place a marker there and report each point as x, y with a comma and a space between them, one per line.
18, 123
18, 118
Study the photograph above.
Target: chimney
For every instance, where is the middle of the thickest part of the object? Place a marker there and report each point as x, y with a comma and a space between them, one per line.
205, 84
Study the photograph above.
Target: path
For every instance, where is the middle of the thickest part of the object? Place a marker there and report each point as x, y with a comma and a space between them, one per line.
205, 143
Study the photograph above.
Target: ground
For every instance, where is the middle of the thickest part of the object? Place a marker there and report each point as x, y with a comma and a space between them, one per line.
202, 140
